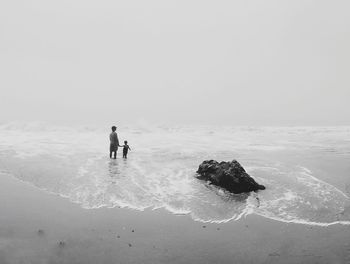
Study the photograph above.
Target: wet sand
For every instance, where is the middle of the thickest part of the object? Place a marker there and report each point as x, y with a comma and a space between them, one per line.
38, 227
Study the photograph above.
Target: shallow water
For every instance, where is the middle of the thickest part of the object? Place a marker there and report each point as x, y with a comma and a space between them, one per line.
305, 169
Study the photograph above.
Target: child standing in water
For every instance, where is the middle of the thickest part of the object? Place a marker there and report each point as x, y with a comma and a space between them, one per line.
126, 148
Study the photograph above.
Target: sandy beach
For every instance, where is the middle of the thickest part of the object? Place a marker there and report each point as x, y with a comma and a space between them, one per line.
174, 132
38, 227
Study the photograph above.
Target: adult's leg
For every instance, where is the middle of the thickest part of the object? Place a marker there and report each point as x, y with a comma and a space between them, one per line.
110, 150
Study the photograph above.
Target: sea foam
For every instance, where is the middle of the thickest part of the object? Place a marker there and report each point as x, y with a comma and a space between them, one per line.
160, 171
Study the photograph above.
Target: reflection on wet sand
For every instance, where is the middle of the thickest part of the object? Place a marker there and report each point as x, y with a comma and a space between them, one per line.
113, 171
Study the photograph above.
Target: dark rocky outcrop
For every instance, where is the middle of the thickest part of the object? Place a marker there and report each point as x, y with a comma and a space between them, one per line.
228, 175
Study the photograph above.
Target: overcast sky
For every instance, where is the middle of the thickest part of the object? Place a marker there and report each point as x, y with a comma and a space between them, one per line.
247, 62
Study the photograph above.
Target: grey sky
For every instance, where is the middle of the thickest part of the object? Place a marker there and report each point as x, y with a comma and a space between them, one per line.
213, 62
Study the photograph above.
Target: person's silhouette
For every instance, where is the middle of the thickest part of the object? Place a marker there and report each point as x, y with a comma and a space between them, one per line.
126, 148
114, 143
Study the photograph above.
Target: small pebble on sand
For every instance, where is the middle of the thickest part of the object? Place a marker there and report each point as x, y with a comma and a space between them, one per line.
62, 244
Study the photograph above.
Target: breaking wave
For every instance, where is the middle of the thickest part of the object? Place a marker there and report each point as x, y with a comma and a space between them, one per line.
73, 164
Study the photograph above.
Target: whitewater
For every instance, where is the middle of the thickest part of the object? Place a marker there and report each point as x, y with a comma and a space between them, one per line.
305, 169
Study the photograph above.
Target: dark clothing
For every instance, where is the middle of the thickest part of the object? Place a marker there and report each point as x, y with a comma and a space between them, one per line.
113, 147
125, 151
113, 150
113, 138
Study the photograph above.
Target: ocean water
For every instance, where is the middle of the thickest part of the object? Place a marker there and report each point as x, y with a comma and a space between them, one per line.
305, 169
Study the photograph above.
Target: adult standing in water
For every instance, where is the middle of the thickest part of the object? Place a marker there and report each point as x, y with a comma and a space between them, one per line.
114, 143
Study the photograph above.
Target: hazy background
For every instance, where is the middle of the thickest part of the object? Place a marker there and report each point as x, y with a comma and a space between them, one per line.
254, 62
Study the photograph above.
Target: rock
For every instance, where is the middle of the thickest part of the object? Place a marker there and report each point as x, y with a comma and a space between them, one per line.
228, 175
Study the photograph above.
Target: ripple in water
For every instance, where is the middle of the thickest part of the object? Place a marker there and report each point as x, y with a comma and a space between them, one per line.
163, 178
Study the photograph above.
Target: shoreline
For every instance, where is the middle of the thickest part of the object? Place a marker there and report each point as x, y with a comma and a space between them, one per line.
38, 227
149, 209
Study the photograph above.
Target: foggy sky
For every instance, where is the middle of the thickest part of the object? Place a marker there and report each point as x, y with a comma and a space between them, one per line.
252, 62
